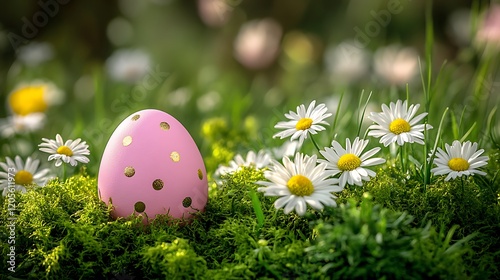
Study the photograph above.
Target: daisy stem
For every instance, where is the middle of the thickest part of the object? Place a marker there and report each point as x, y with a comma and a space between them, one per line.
402, 157
463, 188
315, 144
63, 172
405, 154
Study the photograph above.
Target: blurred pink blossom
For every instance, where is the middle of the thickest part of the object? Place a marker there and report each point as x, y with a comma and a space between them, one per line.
215, 13
489, 31
258, 43
395, 64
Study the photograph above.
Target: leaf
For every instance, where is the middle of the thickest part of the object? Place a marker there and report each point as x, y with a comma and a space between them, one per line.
257, 208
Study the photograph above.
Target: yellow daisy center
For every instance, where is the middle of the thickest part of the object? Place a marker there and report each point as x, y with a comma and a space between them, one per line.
304, 123
300, 185
65, 150
399, 126
23, 177
348, 162
27, 100
458, 164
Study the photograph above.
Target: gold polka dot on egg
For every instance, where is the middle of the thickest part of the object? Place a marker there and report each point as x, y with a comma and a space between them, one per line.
136, 117
127, 140
129, 171
186, 202
200, 174
164, 126
175, 156
139, 206
157, 184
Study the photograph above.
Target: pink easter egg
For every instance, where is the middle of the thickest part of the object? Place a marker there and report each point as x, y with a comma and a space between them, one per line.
151, 165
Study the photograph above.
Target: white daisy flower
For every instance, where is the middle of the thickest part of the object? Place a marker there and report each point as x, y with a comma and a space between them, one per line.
303, 122
70, 151
350, 162
260, 160
300, 183
22, 174
459, 160
17, 124
398, 123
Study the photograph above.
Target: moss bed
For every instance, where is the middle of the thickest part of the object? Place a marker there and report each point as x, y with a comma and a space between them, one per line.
391, 228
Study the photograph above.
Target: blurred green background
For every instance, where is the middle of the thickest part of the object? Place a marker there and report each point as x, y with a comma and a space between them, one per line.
198, 62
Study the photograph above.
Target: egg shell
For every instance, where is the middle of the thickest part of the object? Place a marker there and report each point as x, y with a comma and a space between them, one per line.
151, 165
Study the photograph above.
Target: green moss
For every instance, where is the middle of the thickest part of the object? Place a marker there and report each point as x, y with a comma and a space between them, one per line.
371, 242
64, 231
471, 204
175, 260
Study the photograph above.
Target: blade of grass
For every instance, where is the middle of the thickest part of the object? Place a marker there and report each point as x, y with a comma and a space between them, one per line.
468, 132
360, 100
427, 165
334, 126
489, 127
440, 80
475, 11
429, 42
454, 125
460, 243
461, 120
257, 208
360, 119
